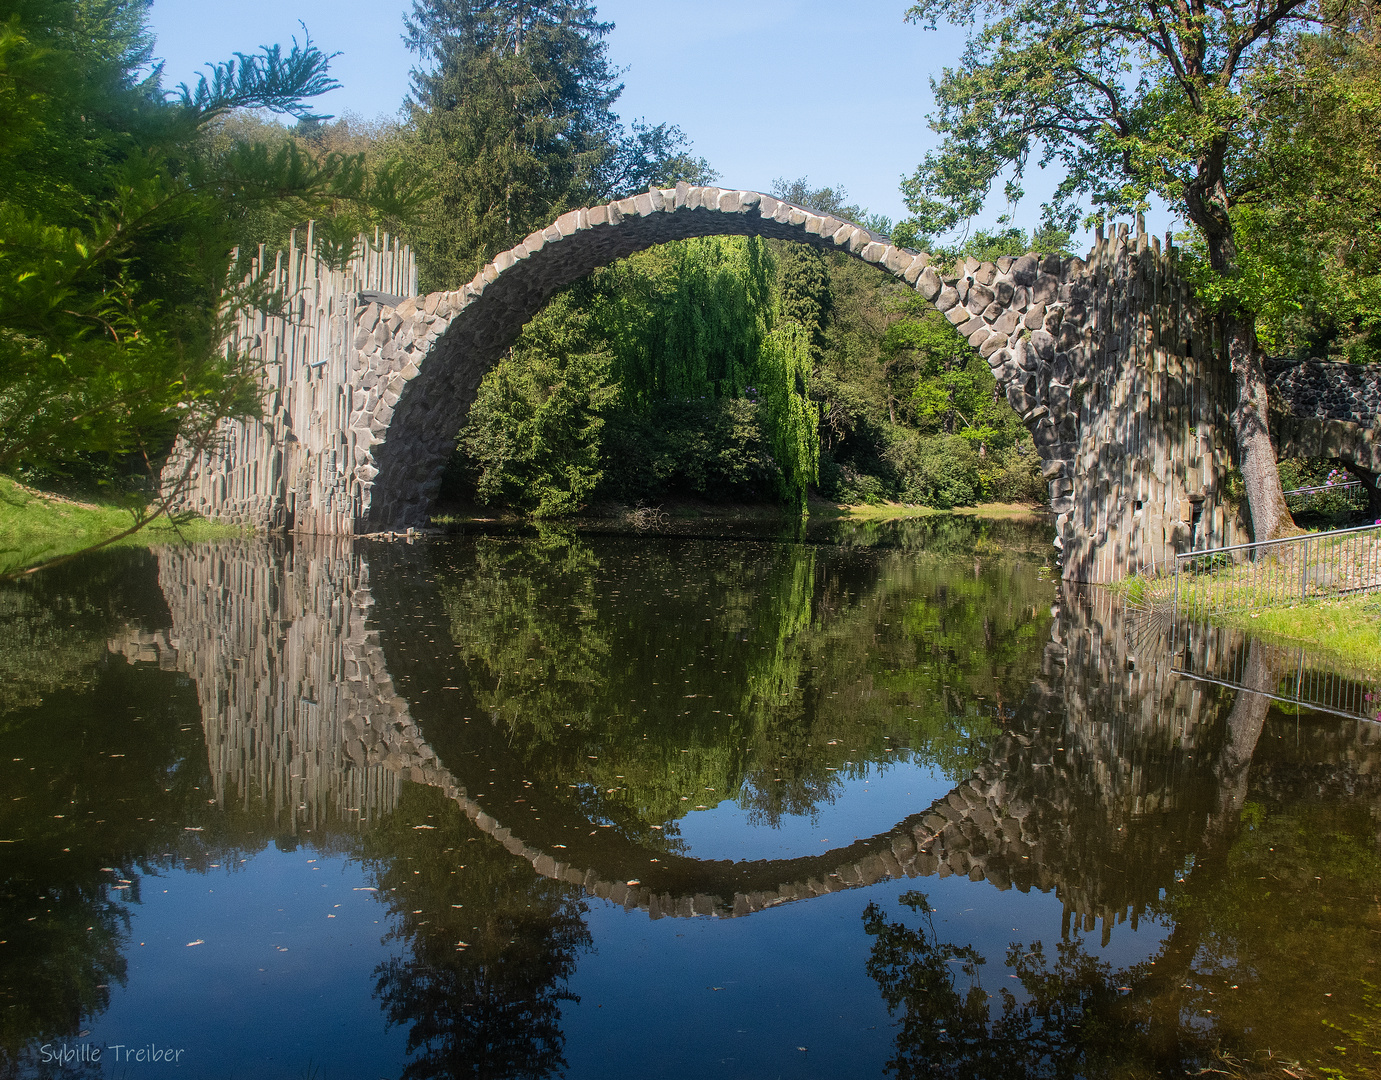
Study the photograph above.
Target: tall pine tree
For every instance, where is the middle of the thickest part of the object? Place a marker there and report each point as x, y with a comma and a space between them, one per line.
513, 116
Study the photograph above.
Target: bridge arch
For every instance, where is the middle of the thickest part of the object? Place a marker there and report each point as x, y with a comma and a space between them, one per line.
420, 361
1108, 361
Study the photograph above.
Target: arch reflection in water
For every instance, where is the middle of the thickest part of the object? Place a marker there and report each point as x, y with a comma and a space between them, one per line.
566, 732
537, 690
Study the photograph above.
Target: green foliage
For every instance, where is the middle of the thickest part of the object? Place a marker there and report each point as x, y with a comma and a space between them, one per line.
895, 381
938, 471
803, 291
704, 334
1309, 251
712, 448
793, 419
117, 221
661, 373
534, 429
512, 121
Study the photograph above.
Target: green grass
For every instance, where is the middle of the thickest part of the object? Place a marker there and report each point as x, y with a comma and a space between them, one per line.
36, 527
1348, 628
892, 511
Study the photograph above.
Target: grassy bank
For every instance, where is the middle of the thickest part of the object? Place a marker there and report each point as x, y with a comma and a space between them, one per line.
678, 510
36, 526
1348, 628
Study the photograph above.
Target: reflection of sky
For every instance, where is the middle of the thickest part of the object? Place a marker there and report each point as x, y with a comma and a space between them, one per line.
236, 1003
868, 803
737, 997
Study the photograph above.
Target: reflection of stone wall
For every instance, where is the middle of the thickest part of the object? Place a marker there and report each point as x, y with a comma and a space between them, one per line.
1093, 794
275, 644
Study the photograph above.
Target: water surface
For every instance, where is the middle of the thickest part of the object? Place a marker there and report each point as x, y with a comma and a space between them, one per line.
550, 804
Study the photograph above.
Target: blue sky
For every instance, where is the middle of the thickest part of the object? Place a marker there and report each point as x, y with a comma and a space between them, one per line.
764, 88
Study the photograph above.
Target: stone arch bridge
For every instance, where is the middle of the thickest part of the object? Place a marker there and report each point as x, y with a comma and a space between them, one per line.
1104, 358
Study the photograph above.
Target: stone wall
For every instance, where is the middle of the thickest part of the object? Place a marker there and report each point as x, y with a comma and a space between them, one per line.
1322, 409
291, 468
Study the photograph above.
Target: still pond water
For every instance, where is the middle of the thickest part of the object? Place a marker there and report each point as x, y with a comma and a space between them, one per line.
553, 804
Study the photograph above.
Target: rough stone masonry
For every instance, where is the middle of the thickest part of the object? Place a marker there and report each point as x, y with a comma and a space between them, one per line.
1105, 358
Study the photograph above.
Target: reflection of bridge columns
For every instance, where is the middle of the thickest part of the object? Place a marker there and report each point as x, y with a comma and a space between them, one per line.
275, 643
1086, 793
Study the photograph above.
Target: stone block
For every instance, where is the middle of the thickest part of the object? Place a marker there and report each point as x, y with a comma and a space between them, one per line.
1035, 317
979, 297
897, 260
947, 298
1043, 344
995, 343
972, 325
1046, 289
1020, 400
928, 285
1024, 270
1007, 322
958, 315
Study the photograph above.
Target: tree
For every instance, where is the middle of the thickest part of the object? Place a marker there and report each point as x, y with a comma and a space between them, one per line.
1306, 218
534, 430
1132, 98
117, 223
513, 118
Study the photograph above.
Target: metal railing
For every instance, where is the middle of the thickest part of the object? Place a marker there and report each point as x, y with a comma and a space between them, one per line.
1299, 678
1334, 498
1278, 572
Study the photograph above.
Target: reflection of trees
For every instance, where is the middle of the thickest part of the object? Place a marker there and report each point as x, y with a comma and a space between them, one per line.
654, 677
489, 1007
1271, 917
97, 790
54, 626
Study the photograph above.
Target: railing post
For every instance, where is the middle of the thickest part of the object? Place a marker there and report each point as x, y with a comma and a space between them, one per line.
1304, 571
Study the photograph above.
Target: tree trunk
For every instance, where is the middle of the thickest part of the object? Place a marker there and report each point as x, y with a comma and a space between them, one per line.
1269, 516
1244, 723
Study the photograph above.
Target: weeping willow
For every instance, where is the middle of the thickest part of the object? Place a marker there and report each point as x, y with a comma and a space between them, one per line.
793, 420
698, 319
689, 319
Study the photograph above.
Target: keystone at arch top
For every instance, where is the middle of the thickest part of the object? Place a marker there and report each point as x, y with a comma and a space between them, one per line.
1104, 358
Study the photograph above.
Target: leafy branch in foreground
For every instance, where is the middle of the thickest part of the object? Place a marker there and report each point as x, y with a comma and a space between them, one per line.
117, 225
